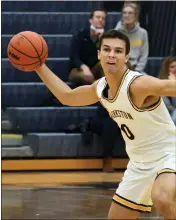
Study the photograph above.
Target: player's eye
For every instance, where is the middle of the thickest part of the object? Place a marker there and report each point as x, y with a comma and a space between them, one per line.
106, 49
118, 51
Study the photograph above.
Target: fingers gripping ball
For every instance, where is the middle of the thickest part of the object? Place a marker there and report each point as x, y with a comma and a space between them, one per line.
27, 50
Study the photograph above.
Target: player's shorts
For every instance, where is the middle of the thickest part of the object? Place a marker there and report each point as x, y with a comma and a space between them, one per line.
134, 190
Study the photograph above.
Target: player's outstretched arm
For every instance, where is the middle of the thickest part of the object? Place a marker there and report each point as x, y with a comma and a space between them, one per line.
151, 86
81, 96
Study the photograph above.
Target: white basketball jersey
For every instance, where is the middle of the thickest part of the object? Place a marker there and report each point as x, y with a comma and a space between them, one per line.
149, 134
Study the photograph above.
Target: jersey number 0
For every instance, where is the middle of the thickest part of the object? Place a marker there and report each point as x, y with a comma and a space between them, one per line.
127, 131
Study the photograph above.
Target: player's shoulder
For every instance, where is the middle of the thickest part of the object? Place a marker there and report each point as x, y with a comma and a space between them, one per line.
139, 79
130, 75
99, 85
143, 79
100, 82
142, 83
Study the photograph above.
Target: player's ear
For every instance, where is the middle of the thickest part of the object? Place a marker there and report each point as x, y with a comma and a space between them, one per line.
126, 58
98, 54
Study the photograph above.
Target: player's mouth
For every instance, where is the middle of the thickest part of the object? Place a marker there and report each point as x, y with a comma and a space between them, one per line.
110, 63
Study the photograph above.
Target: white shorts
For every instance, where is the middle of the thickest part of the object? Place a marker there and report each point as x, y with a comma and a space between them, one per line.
134, 190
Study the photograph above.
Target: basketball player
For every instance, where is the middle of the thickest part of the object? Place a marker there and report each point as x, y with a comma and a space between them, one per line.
134, 102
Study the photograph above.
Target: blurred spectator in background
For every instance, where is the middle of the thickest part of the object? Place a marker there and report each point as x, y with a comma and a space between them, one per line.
138, 36
84, 65
168, 71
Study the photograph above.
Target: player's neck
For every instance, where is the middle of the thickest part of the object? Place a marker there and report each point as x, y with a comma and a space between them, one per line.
114, 81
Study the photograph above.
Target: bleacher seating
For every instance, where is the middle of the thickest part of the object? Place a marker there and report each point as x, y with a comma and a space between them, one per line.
60, 147
58, 45
49, 22
47, 119
153, 66
50, 6
9, 74
23, 93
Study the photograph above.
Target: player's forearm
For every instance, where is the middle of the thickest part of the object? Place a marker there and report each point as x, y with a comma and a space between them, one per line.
55, 84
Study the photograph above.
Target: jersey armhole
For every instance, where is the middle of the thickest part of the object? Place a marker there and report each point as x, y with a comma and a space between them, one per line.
128, 94
149, 108
96, 87
99, 98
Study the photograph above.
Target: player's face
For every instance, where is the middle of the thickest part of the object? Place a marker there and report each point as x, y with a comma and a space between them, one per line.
172, 68
98, 19
128, 15
112, 55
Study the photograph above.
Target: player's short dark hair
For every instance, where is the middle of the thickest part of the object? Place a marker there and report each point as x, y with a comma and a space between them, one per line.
111, 34
97, 9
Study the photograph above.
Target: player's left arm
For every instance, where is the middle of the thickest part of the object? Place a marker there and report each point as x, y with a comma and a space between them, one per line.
151, 86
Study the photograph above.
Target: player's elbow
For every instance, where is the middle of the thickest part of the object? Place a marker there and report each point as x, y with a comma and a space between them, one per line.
64, 102
64, 98
68, 103
69, 99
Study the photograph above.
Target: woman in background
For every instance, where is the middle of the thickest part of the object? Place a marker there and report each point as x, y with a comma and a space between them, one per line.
138, 36
168, 71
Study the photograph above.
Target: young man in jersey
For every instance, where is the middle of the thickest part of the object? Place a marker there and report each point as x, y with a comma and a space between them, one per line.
134, 102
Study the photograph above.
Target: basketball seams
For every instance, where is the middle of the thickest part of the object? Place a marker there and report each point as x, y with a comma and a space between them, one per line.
30, 63
21, 51
33, 47
42, 44
20, 67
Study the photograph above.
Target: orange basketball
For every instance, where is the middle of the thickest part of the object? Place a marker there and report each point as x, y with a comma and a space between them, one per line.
27, 50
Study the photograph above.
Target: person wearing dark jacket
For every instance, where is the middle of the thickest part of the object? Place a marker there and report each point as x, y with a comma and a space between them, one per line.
84, 65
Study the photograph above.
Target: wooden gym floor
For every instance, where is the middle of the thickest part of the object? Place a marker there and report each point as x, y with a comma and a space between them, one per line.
59, 195
31, 192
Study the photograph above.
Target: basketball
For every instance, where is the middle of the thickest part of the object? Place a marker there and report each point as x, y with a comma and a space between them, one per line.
27, 50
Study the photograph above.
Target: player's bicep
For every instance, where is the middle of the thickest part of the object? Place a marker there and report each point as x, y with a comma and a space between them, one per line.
82, 96
151, 86
158, 87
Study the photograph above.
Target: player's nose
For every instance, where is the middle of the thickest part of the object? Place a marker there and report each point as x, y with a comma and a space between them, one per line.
111, 53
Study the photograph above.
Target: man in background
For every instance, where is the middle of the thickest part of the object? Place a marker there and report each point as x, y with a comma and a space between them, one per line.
84, 65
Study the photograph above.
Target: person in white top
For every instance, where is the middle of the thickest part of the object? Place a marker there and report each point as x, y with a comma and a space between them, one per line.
134, 102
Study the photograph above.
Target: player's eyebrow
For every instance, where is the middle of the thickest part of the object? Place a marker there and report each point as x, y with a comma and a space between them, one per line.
118, 48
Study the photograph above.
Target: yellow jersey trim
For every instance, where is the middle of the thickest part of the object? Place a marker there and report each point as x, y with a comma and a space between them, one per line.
132, 205
99, 98
118, 90
128, 94
155, 105
166, 170
96, 87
